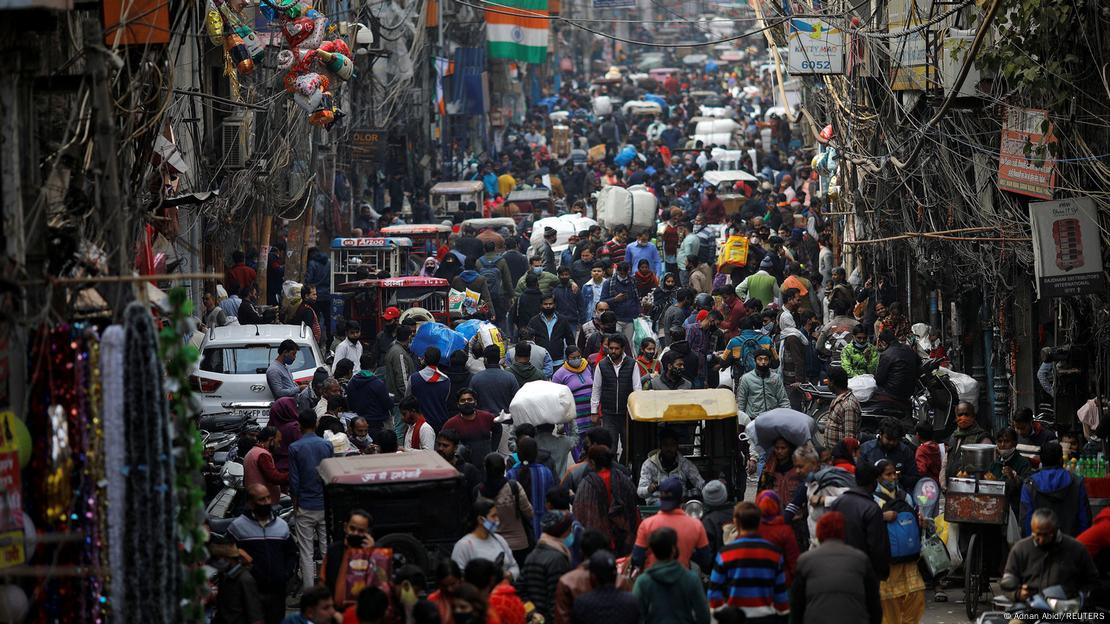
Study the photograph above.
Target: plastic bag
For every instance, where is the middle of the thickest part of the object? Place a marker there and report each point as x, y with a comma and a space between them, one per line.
966, 386
462, 303
862, 386
734, 253
544, 402
641, 328
439, 336
468, 328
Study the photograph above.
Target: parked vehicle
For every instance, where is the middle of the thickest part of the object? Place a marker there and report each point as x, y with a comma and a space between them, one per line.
231, 374
427, 238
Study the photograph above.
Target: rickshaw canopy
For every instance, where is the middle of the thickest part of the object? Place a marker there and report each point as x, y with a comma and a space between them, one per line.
681, 405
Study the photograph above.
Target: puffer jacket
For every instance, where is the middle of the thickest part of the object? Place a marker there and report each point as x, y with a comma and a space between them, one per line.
540, 575
755, 394
653, 471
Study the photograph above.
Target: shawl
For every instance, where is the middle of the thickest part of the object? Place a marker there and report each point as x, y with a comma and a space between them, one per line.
618, 517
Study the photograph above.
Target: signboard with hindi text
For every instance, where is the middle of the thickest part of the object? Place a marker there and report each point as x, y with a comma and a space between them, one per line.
1025, 162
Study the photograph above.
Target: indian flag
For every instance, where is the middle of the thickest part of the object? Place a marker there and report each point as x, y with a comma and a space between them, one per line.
517, 30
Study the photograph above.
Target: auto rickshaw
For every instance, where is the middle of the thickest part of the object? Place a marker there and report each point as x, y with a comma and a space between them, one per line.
364, 301
427, 239
350, 256
532, 204
452, 198
707, 425
725, 183
398, 490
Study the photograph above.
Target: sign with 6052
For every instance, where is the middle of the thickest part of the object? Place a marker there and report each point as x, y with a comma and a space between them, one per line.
815, 47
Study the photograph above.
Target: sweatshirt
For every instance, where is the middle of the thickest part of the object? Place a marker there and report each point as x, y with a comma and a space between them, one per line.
431, 387
671, 594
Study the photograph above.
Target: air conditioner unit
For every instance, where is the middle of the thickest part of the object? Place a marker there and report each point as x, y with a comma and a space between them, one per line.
237, 140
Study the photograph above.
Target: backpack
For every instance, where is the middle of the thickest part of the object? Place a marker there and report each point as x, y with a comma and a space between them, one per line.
1064, 502
903, 532
707, 249
492, 275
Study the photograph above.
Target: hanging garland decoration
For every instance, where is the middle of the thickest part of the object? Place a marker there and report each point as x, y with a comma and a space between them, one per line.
115, 458
150, 538
179, 358
96, 484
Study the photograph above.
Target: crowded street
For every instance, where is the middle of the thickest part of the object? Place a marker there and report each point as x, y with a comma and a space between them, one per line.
555, 311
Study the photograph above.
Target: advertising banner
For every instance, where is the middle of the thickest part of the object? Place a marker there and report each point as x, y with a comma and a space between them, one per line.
814, 47
1029, 172
1067, 250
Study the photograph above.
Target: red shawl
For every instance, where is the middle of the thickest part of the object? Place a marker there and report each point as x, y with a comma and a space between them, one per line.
414, 436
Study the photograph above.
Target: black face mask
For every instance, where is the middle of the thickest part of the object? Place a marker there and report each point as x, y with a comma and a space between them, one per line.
466, 408
355, 540
762, 371
263, 512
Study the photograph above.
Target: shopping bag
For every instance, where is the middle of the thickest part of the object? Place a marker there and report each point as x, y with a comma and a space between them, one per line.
935, 555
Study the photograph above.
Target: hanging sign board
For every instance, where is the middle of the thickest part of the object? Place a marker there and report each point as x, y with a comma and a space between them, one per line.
1067, 251
814, 47
1032, 173
11, 511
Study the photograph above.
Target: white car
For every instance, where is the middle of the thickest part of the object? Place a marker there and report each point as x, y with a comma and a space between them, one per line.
231, 374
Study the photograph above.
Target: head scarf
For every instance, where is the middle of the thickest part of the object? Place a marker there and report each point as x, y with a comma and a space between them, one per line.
769, 503
450, 267
431, 265
788, 328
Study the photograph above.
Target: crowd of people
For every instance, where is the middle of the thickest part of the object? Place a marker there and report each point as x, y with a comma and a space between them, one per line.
556, 529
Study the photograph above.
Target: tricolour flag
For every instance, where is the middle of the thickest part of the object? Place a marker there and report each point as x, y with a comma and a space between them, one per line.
517, 30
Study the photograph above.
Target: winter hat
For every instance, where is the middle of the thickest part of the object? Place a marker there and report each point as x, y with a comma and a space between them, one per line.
702, 315
766, 263
556, 522
769, 503
714, 493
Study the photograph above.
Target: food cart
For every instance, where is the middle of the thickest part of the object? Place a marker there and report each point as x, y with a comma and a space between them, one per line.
399, 490
452, 198
351, 257
364, 301
427, 239
706, 420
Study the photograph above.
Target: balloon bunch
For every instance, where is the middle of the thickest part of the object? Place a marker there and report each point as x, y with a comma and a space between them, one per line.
314, 66
227, 27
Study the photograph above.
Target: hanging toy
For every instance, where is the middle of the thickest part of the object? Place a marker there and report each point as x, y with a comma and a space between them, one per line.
226, 26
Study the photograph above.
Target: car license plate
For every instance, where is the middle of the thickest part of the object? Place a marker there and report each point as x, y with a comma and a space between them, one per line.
260, 416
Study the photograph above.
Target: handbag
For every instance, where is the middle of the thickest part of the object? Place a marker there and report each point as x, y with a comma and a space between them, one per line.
935, 555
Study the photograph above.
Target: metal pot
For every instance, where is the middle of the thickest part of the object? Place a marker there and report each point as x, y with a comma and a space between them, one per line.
977, 457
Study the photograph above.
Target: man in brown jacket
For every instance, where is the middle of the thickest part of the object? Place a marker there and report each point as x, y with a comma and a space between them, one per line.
577, 581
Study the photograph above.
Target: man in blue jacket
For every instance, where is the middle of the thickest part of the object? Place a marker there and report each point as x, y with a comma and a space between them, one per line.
620, 293
266, 540
431, 387
1061, 491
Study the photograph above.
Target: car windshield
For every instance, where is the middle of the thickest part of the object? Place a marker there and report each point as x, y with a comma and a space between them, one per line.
250, 359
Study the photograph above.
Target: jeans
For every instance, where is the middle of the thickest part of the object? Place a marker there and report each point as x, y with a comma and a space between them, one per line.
310, 531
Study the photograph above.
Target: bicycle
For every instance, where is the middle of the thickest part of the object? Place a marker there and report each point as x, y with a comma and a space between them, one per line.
978, 506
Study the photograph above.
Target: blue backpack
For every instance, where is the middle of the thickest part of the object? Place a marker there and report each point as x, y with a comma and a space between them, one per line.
492, 274
903, 532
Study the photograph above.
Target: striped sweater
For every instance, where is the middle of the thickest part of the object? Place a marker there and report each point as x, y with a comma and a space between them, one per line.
749, 574
581, 386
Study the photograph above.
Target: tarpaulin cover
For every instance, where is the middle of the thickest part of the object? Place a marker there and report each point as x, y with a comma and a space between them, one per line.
437, 335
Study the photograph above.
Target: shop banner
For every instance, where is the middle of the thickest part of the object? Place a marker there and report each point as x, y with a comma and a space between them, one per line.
1066, 247
11, 511
614, 4
1031, 173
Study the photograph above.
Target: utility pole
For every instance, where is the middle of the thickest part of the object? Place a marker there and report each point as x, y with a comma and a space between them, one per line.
112, 198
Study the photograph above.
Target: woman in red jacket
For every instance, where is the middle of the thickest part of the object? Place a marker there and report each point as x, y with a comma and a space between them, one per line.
774, 530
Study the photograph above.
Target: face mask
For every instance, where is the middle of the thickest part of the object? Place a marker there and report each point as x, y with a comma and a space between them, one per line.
676, 373
263, 512
574, 362
1006, 453
463, 618
890, 485
537, 270
768, 327
963, 422
466, 408
491, 525
355, 541
290, 359
859, 345
649, 355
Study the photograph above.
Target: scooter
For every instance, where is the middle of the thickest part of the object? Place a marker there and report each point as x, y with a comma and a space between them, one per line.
230, 501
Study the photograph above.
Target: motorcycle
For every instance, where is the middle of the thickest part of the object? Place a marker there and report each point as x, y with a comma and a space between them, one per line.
934, 401
221, 434
230, 501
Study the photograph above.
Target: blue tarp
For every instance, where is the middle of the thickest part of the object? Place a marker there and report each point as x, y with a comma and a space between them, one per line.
439, 336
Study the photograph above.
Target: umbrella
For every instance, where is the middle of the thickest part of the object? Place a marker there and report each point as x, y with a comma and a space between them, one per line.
795, 427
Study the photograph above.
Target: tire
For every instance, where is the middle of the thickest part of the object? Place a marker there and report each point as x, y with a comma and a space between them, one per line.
973, 571
407, 548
